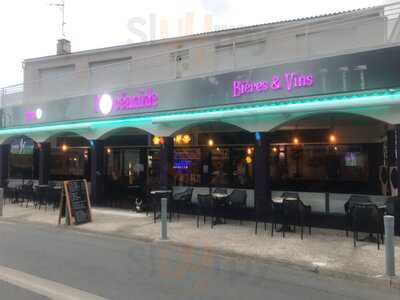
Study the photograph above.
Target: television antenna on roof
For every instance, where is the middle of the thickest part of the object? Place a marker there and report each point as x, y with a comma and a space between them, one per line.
61, 5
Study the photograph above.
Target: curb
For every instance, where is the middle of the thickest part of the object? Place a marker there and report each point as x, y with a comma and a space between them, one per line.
379, 281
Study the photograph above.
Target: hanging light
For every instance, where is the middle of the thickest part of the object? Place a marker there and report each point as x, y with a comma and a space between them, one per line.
248, 159
108, 150
178, 139
332, 138
296, 140
156, 140
64, 147
249, 151
274, 149
210, 142
186, 139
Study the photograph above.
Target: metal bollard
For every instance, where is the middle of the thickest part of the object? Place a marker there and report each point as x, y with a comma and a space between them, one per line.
164, 219
1, 201
389, 245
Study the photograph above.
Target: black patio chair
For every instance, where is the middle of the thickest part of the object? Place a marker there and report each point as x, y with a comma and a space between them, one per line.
204, 208
54, 197
183, 201
41, 197
276, 216
236, 203
220, 190
367, 218
277, 210
290, 196
27, 193
353, 200
295, 213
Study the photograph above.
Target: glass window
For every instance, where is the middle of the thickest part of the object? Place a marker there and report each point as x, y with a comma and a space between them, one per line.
220, 167
21, 164
125, 166
187, 166
71, 164
242, 166
345, 168
154, 167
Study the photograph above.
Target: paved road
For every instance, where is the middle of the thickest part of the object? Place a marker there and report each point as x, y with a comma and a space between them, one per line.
12, 292
68, 262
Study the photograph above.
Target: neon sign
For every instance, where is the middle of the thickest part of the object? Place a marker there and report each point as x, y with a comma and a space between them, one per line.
182, 164
123, 102
31, 116
290, 82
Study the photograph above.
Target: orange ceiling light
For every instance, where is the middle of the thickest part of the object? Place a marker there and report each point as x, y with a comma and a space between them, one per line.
332, 138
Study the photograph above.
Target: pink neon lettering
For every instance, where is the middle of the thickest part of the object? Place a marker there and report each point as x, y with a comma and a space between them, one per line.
291, 81
144, 99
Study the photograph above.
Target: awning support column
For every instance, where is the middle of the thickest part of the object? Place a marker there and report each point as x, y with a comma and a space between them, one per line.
44, 162
262, 178
97, 171
4, 159
166, 160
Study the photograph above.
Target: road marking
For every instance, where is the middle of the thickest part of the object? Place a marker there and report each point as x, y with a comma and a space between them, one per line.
44, 287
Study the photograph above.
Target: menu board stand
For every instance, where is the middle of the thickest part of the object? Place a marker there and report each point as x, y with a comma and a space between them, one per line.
75, 203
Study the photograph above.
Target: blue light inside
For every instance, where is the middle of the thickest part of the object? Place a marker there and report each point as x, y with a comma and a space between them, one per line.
181, 165
258, 136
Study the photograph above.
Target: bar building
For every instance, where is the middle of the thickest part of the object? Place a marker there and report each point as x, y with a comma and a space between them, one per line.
309, 105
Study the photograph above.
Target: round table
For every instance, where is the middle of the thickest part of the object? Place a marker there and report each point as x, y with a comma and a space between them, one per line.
218, 197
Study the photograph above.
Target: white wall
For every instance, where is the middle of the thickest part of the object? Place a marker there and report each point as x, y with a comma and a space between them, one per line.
206, 54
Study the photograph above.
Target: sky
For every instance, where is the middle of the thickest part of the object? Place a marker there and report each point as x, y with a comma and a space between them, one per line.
30, 28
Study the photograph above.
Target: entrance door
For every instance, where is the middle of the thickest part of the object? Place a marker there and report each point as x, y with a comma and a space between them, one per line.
125, 175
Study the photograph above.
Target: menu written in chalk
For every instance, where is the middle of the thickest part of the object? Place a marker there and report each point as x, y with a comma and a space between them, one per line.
77, 201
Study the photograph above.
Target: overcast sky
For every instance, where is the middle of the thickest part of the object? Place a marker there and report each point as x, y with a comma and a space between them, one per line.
30, 28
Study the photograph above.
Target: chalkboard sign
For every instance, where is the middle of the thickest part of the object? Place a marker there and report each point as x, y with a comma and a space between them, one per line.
76, 203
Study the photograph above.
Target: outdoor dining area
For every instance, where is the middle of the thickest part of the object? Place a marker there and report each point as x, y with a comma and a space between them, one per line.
217, 205
38, 195
288, 213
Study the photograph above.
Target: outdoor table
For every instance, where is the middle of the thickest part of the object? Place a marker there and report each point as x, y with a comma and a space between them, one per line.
42, 185
156, 193
279, 201
381, 209
218, 200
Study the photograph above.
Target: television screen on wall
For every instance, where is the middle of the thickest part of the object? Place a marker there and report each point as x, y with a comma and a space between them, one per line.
353, 159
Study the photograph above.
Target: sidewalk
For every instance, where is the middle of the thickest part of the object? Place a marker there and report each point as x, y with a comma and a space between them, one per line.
326, 251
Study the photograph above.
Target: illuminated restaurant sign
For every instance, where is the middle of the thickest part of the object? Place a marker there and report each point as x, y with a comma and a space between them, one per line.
105, 103
31, 116
290, 81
